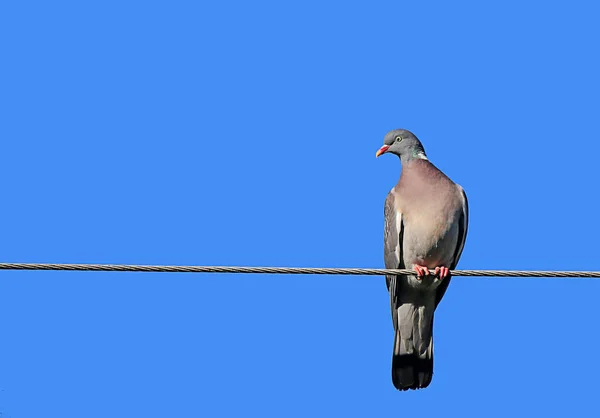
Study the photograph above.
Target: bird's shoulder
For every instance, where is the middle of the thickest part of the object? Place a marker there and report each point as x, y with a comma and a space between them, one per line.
422, 176
393, 199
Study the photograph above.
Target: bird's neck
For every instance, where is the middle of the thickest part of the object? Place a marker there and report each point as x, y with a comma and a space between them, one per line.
417, 154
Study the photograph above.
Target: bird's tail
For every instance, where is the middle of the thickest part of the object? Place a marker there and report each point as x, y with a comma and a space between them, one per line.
412, 362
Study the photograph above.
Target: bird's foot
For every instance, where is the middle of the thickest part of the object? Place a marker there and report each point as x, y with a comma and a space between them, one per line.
422, 271
441, 272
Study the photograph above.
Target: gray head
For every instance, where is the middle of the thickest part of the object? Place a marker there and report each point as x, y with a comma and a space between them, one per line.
404, 144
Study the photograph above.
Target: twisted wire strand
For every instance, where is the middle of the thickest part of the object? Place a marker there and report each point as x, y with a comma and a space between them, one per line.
287, 270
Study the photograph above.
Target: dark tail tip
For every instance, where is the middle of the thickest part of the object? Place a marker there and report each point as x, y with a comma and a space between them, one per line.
411, 372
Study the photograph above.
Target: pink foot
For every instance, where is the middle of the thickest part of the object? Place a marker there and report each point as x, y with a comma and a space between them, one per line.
422, 271
442, 272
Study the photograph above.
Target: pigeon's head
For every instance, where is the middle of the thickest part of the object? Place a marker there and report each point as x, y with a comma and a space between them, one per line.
404, 144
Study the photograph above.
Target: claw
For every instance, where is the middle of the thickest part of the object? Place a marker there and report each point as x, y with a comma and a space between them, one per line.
422, 271
442, 272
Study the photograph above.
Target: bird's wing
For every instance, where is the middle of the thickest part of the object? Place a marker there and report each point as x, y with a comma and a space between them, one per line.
393, 235
463, 226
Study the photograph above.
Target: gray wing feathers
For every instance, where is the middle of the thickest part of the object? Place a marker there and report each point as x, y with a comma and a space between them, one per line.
392, 244
463, 225
392, 250
462, 228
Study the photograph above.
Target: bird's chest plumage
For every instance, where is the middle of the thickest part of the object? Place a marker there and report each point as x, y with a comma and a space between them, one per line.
428, 241
429, 217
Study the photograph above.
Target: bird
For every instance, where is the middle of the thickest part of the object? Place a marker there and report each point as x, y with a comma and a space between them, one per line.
426, 222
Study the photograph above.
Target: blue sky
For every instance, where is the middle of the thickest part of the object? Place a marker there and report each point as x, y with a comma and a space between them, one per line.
244, 133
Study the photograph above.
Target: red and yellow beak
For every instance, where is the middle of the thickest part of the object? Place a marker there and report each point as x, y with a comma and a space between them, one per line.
382, 150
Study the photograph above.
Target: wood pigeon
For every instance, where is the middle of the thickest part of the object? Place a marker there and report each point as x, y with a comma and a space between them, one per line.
426, 218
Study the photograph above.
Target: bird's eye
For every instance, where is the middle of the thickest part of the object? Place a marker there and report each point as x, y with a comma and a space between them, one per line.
399, 138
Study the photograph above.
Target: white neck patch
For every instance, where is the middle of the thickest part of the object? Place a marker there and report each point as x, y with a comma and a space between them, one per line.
421, 155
